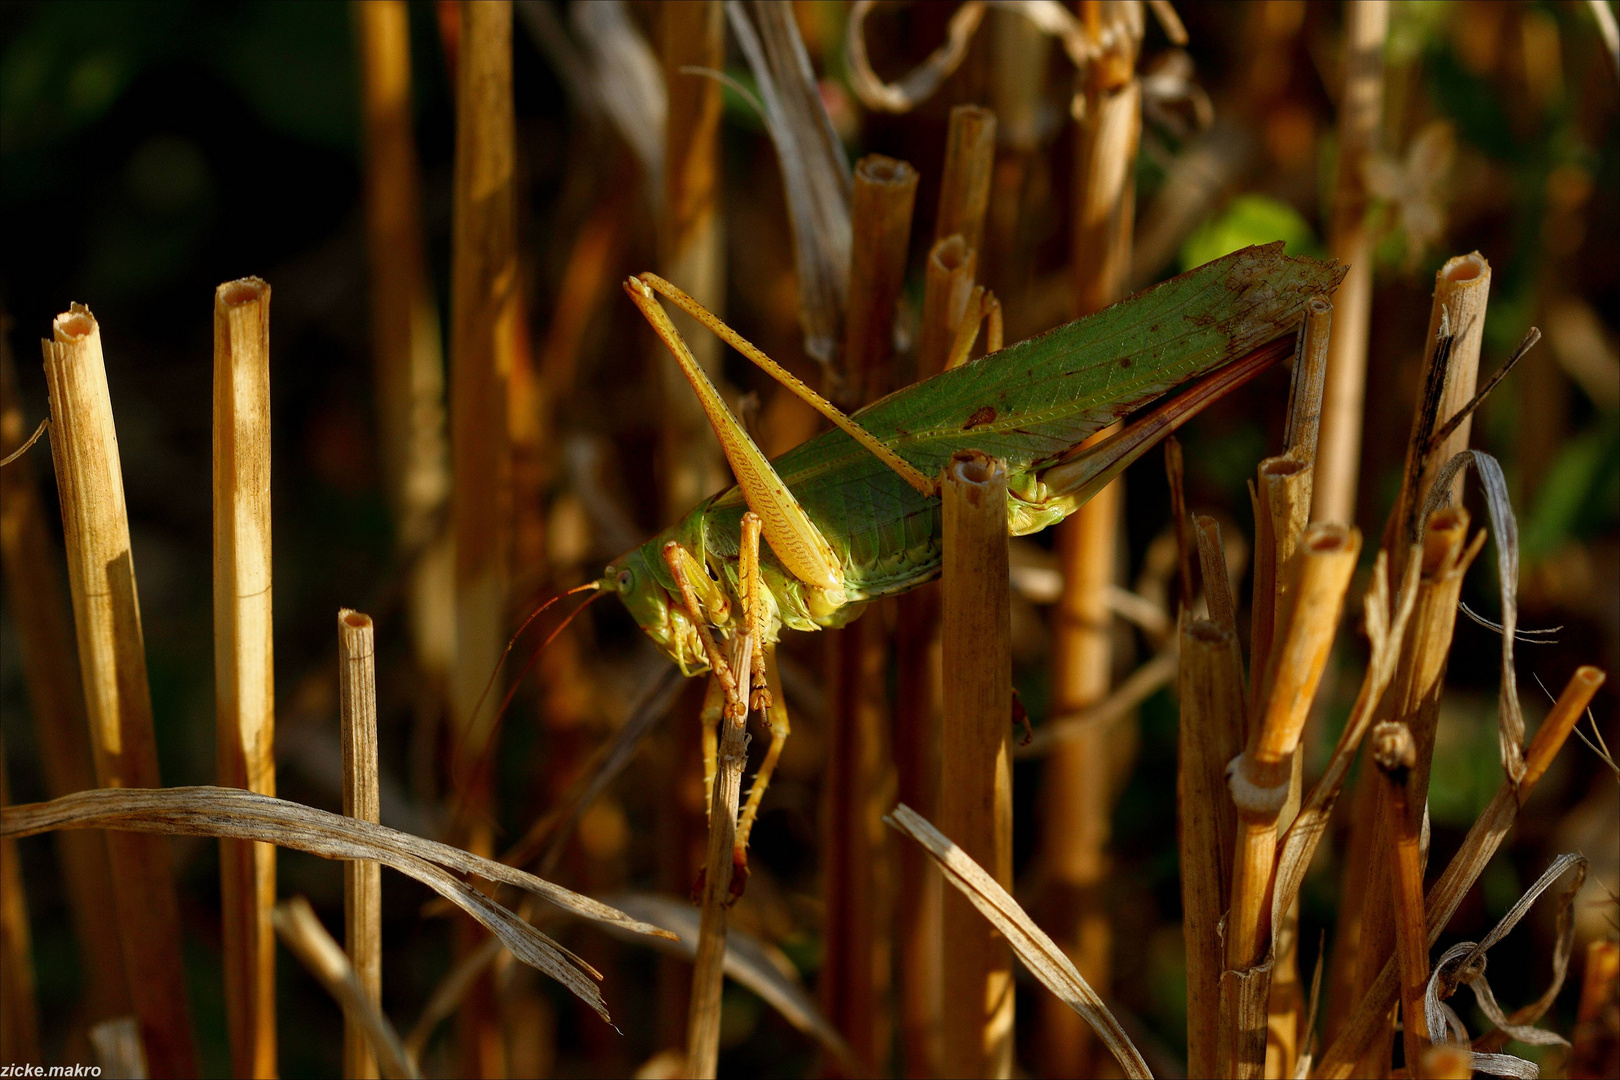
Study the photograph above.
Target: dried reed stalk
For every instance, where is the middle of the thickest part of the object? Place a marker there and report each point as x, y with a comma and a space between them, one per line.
484, 314
1282, 507
1414, 700
1308, 382
362, 799
1019, 53
407, 361
1218, 588
690, 240
1080, 784
1395, 755
1361, 105
112, 666
1211, 734
1318, 575
885, 193
39, 617
301, 931
19, 1014
975, 770
1450, 372
970, 157
244, 660
708, 969
1363, 1027
860, 779
948, 285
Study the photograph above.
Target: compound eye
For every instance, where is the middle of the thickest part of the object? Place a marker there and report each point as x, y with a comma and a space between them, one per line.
625, 579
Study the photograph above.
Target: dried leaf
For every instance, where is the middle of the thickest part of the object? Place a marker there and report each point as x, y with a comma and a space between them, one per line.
1038, 952
758, 965
612, 72
1121, 31
1464, 965
815, 171
1505, 531
233, 812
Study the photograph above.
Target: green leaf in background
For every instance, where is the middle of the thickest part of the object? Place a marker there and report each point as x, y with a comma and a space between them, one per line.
1248, 219
1581, 493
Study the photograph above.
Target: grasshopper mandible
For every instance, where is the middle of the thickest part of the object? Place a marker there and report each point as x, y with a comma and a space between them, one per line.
854, 513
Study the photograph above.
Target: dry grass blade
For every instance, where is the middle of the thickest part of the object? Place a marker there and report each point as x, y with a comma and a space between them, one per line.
301, 931
1030, 943
232, 812
23, 449
1505, 529
815, 171
756, 964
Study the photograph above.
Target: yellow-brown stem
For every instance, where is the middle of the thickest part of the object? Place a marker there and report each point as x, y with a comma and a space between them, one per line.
484, 305
1211, 734
690, 241
112, 667
975, 767
1395, 755
40, 621
1350, 240
244, 668
362, 798
970, 155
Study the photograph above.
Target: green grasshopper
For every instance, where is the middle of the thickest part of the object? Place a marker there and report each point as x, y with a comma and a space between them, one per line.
854, 513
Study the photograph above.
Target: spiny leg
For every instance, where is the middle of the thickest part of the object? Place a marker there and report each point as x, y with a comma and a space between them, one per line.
795, 385
678, 568
798, 543
754, 608
776, 717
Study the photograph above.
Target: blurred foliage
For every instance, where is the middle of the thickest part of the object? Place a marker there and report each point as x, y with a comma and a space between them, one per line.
1249, 219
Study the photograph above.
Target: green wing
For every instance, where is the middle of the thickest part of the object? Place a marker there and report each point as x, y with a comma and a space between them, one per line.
1033, 402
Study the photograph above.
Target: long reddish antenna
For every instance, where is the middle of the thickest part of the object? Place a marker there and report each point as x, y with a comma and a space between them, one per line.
511, 642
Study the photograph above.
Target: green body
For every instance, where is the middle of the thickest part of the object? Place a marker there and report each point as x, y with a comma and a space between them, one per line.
1030, 404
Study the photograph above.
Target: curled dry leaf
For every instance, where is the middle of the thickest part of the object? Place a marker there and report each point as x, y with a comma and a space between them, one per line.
1505, 531
1464, 965
1121, 31
1038, 952
232, 812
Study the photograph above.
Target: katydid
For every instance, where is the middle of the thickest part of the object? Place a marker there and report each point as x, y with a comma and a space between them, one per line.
854, 514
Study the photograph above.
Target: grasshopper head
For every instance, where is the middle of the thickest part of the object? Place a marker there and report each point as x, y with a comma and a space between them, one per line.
654, 607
